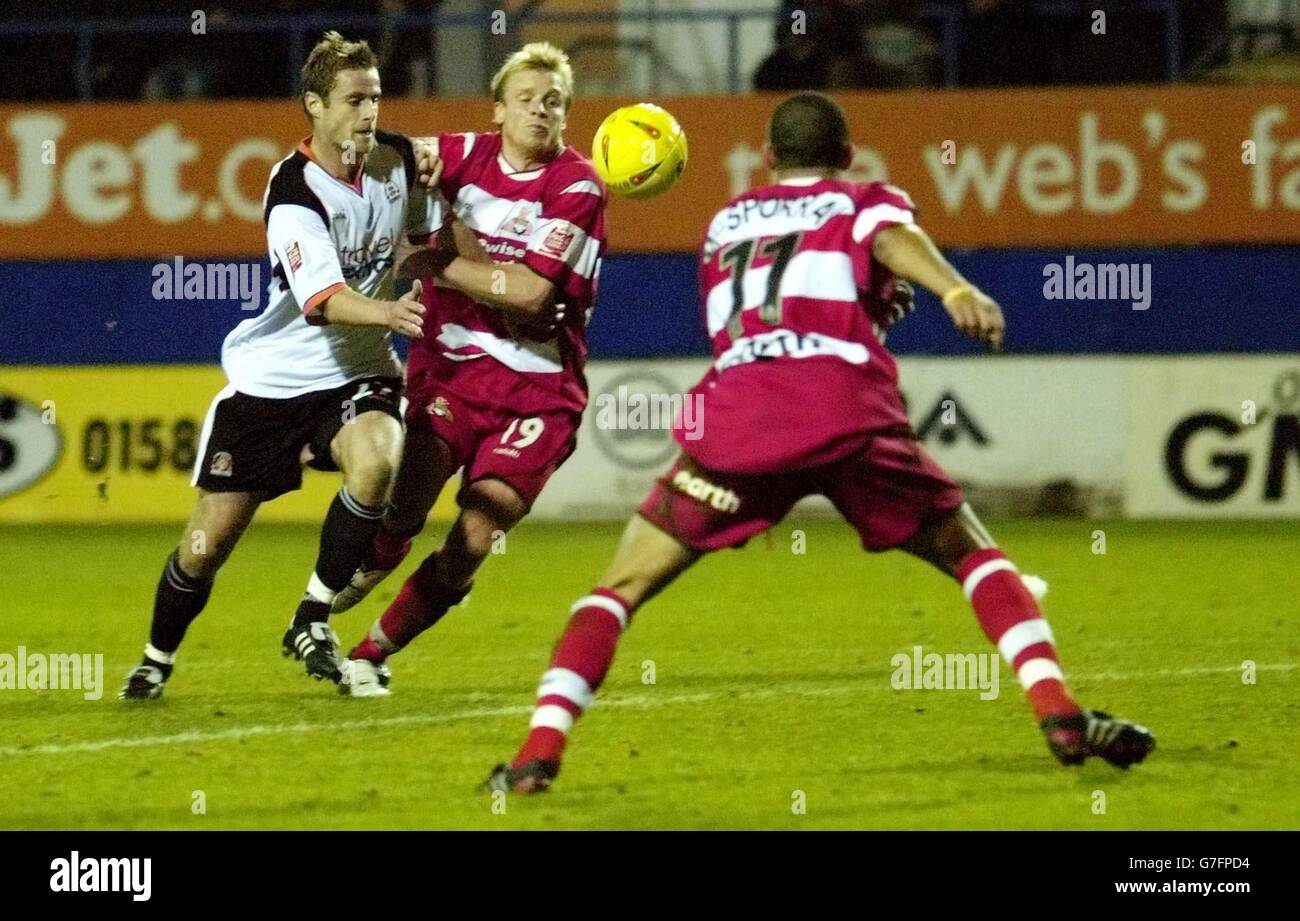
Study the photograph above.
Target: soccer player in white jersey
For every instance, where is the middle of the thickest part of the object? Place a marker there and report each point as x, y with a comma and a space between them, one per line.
313, 379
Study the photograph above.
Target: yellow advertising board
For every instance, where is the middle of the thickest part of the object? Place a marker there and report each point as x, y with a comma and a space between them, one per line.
117, 444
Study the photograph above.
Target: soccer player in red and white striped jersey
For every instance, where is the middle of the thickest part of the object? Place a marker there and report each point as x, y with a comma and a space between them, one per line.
496, 386
800, 282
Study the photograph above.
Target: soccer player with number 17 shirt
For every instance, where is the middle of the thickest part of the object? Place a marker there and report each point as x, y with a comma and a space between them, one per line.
800, 282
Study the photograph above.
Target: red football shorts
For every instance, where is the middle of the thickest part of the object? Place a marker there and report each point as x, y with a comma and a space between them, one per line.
885, 490
489, 443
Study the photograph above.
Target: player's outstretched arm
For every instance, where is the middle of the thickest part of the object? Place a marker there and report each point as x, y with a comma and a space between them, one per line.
404, 315
908, 251
458, 258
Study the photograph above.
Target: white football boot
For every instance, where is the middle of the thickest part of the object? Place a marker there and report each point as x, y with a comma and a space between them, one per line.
363, 678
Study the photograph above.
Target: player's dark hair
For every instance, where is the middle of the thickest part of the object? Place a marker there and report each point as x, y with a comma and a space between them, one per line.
808, 130
332, 54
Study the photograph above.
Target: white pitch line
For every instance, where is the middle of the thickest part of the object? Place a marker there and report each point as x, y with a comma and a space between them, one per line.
1181, 672
638, 702
416, 719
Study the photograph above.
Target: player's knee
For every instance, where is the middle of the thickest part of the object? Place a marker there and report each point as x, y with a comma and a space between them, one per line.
203, 551
370, 478
197, 567
494, 501
482, 534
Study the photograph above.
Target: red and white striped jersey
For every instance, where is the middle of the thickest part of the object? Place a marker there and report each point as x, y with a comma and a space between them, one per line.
797, 310
552, 219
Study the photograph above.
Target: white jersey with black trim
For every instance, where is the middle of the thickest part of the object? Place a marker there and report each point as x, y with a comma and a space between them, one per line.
324, 234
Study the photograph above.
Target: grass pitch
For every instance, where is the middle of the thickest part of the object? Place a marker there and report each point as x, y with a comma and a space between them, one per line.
771, 704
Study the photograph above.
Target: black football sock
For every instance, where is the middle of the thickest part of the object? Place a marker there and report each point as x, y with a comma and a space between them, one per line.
179, 600
345, 538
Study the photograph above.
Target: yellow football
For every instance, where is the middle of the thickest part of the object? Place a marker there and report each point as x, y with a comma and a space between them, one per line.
640, 150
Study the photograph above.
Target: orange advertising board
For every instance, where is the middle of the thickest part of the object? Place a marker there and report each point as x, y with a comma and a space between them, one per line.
1158, 165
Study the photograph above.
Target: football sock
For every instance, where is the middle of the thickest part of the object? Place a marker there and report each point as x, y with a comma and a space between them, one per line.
349, 528
1010, 618
578, 666
421, 603
179, 599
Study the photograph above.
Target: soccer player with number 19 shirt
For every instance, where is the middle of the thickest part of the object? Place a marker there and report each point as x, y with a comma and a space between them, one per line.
798, 281
496, 387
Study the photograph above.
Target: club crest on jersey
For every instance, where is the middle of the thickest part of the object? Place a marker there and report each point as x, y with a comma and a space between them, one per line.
557, 242
294, 252
391, 190
441, 408
522, 224
222, 464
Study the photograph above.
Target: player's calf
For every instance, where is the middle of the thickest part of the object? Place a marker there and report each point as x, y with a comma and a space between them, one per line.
367, 451
386, 553
424, 599
581, 660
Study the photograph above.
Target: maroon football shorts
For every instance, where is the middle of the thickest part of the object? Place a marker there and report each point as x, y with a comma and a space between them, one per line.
490, 443
886, 490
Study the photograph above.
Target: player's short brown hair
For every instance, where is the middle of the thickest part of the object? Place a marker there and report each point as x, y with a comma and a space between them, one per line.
332, 54
808, 130
536, 56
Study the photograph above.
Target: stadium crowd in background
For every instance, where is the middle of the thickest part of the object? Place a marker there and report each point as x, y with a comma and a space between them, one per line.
843, 44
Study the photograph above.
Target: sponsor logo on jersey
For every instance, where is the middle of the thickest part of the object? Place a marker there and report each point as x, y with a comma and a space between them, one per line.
222, 464
294, 252
557, 242
505, 248
364, 261
785, 343
701, 490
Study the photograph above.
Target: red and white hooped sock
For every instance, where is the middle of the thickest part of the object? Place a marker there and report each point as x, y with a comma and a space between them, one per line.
578, 666
1010, 618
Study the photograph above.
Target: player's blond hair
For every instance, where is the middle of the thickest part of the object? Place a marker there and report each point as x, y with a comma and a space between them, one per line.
536, 56
332, 54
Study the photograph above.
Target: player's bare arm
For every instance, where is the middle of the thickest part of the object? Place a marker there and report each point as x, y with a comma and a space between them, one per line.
512, 286
908, 251
351, 308
454, 239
